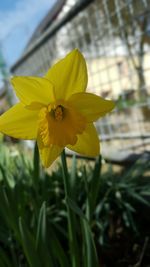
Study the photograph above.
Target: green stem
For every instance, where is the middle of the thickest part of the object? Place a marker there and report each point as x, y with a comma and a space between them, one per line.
36, 168
36, 163
65, 174
74, 254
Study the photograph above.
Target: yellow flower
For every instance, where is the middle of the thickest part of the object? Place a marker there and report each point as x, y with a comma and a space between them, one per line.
56, 111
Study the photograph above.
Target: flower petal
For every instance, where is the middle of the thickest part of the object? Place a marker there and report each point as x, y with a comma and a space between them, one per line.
19, 122
69, 75
88, 143
90, 105
48, 154
33, 89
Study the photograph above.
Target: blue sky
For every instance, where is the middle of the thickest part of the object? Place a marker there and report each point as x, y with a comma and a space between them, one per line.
18, 20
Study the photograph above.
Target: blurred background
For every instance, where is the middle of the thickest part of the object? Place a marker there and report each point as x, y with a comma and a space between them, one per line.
114, 37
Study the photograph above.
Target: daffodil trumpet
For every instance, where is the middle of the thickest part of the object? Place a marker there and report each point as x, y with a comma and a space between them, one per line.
56, 111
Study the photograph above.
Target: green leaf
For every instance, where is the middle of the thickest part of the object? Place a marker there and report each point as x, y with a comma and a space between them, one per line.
75, 208
28, 244
95, 184
9, 209
140, 198
41, 229
129, 207
58, 251
145, 192
42, 248
90, 258
4, 261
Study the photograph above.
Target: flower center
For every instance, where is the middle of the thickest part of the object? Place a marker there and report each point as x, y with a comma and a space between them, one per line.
58, 113
59, 125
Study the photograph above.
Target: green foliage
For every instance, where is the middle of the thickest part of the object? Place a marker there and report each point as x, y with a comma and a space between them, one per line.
104, 208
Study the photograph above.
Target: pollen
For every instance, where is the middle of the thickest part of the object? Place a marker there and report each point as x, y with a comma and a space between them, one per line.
58, 113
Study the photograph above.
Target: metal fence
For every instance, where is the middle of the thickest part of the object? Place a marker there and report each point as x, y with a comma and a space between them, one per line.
114, 36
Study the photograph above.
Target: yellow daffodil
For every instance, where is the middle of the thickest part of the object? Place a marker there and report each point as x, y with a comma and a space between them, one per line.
56, 111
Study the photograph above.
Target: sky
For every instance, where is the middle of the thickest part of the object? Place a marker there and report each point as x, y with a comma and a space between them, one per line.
18, 20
